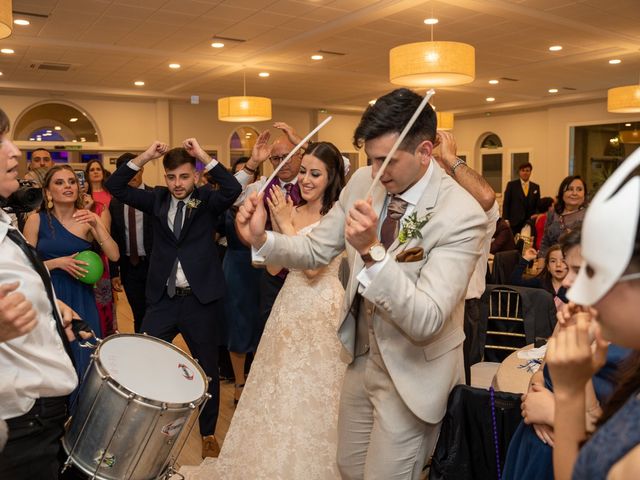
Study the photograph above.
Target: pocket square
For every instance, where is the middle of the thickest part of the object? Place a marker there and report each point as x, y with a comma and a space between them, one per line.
414, 254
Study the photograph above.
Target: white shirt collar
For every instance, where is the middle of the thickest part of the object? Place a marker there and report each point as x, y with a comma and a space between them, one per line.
413, 194
174, 200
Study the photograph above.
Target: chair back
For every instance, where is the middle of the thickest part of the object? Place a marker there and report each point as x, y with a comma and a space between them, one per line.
504, 263
505, 325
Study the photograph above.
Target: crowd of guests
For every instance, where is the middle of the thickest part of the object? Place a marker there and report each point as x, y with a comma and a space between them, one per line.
315, 404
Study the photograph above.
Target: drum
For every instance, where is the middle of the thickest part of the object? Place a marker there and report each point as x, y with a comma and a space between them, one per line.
136, 398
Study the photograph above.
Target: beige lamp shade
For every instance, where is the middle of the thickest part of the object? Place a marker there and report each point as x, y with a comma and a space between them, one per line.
6, 18
244, 109
445, 120
629, 136
624, 99
432, 64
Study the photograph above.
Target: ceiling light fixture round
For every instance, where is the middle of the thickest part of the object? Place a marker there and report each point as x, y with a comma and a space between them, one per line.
624, 99
430, 21
316, 57
175, 66
139, 83
264, 74
615, 61
22, 22
494, 82
217, 44
73, 119
555, 48
553, 90
490, 99
7, 51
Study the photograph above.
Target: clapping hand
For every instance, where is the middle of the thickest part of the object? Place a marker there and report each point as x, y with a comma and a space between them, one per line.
17, 315
281, 207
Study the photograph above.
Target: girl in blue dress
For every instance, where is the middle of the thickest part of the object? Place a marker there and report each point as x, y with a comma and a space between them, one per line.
59, 231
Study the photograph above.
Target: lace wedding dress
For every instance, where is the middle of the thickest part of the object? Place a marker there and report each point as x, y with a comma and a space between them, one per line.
285, 426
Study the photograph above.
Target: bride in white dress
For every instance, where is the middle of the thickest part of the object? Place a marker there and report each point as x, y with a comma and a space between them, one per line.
285, 425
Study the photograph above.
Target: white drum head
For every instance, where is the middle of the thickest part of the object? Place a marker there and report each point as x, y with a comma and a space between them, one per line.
152, 369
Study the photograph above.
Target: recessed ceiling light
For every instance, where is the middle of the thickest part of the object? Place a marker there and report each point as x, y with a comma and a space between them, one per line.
430, 21
57, 127
217, 44
316, 57
372, 102
73, 119
22, 22
174, 65
264, 74
1, 74
553, 90
627, 124
490, 99
555, 48
615, 61
494, 82
139, 83
7, 51
74, 140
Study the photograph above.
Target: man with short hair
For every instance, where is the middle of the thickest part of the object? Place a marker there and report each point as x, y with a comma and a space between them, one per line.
520, 199
185, 283
132, 231
40, 158
411, 248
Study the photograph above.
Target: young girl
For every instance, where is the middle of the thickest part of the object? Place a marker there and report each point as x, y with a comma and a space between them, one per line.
551, 276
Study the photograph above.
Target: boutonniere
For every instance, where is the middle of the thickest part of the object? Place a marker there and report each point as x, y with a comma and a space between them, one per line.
411, 227
193, 203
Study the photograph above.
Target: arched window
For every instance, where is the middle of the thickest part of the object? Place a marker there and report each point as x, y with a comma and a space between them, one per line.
241, 143
55, 122
491, 157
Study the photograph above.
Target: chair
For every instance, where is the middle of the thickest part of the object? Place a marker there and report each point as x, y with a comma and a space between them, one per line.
504, 263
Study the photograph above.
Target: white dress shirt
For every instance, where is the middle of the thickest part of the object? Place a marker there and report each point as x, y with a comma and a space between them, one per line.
181, 278
477, 283
34, 365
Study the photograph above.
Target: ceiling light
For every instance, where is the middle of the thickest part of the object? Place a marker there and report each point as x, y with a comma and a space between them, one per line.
316, 57
217, 44
624, 99
7, 51
555, 48
264, 74
73, 119
490, 99
553, 90
444, 120
82, 139
22, 22
1, 74
74, 140
430, 21
373, 102
244, 108
57, 127
629, 136
139, 83
615, 61
627, 124
494, 82
174, 65
32, 139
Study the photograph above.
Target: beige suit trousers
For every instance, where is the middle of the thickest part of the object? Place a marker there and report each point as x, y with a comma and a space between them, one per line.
378, 436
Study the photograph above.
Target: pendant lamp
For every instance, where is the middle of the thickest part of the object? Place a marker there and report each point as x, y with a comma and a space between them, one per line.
244, 108
6, 18
624, 99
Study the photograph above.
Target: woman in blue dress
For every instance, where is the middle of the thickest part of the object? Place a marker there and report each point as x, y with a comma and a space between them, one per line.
59, 231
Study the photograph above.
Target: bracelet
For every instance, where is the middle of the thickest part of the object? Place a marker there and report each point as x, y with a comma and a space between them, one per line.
457, 163
252, 171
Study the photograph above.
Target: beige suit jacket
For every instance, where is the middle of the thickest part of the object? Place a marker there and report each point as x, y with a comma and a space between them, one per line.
419, 305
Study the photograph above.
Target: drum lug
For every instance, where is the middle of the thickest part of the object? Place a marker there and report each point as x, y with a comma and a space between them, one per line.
192, 406
164, 406
105, 377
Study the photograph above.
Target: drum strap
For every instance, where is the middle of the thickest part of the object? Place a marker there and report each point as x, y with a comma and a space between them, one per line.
39, 267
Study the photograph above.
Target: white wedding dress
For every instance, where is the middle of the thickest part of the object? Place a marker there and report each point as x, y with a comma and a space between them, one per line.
285, 425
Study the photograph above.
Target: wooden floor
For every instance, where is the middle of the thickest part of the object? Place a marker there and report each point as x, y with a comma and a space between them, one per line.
191, 454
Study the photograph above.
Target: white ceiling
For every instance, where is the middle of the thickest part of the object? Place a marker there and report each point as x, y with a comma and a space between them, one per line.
111, 43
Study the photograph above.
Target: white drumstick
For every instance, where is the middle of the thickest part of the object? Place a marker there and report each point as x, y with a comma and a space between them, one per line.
293, 152
403, 134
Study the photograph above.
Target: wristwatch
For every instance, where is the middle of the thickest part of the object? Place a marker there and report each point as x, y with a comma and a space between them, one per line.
376, 253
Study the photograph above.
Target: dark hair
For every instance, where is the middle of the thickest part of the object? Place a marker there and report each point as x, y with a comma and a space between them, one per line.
628, 381
47, 180
564, 185
571, 238
40, 150
234, 167
5, 124
543, 204
177, 157
525, 165
124, 158
105, 174
390, 114
545, 274
329, 154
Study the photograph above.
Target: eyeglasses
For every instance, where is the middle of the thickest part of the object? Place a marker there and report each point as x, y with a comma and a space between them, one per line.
279, 158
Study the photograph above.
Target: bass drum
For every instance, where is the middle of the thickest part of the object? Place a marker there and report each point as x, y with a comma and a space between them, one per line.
136, 398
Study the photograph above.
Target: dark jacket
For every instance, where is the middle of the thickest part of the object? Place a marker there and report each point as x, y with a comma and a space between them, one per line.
517, 208
195, 248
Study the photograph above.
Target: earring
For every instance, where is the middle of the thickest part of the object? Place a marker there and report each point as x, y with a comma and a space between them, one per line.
49, 203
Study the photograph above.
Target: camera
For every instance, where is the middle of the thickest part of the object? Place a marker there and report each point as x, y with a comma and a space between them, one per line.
27, 198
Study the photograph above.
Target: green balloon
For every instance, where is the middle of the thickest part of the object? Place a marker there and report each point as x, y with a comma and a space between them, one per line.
95, 269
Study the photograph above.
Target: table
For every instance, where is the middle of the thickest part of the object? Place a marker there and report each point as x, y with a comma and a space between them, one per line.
510, 377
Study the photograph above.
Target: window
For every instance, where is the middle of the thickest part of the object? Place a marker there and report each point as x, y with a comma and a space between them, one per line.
491, 157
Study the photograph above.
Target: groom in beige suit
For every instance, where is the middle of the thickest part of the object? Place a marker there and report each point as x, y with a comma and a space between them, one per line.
403, 312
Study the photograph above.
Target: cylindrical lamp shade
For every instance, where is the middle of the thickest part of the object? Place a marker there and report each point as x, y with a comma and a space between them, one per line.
6, 18
432, 64
629, 136
624, 99
244, 109
445, 120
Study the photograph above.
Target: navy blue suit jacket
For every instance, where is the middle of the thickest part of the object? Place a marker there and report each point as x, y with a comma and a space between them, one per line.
195, 248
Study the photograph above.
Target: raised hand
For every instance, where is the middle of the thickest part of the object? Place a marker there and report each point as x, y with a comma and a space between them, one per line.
288, 131
444, 150
530, 254
261, 150
194, 149
251, 219
155, 150
17, 315
281, 207
86, 216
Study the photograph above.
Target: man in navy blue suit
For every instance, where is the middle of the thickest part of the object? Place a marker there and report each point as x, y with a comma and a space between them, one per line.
185, 284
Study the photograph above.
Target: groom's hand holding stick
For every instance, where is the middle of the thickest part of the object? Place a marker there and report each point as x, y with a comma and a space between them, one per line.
361, 228
251, 219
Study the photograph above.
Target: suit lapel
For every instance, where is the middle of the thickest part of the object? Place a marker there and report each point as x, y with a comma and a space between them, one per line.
189, 214
164, 214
